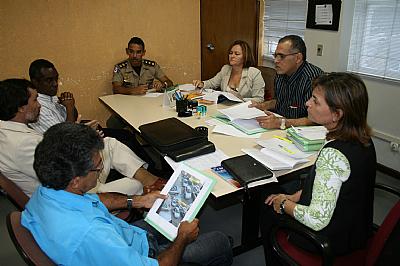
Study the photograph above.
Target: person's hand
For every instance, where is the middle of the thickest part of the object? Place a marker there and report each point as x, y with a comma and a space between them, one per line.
258, 105
157, 185
157, 85
78, 119
67, 99
92, 123
140, 90
198, 84
269, 121
189, 231
146, 201
100, 133
277, 202
270, 199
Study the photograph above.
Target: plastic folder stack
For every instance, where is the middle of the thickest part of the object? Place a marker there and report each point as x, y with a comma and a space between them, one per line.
307, 138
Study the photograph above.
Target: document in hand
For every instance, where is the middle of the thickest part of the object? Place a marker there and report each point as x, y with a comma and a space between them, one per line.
213, 96
242, 117
187, 190
278, 154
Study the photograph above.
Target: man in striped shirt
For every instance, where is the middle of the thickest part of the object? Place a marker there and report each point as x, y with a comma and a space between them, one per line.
292, 86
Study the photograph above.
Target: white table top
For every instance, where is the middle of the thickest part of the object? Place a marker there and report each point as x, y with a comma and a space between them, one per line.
139, 110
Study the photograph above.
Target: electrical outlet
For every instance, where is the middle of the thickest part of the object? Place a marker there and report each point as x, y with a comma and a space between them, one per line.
320, 47
394, 146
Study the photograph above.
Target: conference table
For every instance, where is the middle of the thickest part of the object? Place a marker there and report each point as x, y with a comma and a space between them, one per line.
139, 110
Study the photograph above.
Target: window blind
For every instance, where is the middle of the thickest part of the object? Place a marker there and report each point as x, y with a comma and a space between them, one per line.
375, 39
282, 17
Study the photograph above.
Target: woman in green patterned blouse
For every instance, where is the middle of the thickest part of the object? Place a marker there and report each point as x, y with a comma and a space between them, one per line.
337, 198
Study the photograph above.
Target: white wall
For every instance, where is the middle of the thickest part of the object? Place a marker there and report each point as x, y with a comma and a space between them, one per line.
384, 96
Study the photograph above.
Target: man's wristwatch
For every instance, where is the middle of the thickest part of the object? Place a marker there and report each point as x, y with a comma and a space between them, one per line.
129, 202
283, 124
282, 206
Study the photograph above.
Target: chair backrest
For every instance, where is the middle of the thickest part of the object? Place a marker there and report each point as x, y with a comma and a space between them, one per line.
24, 242
14, 193
384, 232
268, 75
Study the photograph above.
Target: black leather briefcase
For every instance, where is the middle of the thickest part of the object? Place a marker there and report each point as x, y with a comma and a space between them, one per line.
176, 139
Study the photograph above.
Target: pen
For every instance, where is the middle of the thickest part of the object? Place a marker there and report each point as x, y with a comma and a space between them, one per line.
282, 138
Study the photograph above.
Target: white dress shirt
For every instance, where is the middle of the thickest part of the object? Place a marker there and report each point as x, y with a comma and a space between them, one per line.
17, 148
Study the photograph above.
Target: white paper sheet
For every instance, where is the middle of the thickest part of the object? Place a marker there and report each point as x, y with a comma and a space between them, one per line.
312, 132
232, 131
323, 14
213, 96
214, 122
242, 111
186, 87
153, 94
273, 160
286, 148
202, 162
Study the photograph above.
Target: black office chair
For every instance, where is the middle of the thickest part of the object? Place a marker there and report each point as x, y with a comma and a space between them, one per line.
381, 248
13, 192
25, 243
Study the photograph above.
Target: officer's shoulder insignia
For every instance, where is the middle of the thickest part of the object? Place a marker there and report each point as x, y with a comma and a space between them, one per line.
123, 64
149, 62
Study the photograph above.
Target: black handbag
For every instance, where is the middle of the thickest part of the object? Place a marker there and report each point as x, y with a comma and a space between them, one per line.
176, 139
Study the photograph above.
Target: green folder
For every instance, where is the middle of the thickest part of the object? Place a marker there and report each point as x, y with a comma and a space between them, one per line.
302, 143
248, 126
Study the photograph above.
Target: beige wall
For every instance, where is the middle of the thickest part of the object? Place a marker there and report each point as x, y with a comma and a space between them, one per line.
84, 39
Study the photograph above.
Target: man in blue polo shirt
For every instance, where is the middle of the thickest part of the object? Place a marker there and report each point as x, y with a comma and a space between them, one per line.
75, 228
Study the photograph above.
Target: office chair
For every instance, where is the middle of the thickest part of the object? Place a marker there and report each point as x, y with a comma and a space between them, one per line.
383, 244
27, 246
268, 75
13, 192
24, 242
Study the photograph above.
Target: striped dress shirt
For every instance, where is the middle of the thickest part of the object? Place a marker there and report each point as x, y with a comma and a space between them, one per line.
51, 113
292, 92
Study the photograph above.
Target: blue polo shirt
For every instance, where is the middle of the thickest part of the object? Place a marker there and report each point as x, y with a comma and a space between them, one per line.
78, 230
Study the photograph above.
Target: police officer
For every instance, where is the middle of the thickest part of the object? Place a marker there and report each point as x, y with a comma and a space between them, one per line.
136, 75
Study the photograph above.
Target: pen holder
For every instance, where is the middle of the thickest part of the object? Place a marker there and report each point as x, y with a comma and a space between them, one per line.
181, 106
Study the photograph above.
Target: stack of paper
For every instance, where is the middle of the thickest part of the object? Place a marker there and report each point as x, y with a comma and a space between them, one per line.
242, 117
278, 154
307, 138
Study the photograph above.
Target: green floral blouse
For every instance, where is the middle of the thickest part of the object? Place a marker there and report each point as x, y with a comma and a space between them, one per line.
331, 170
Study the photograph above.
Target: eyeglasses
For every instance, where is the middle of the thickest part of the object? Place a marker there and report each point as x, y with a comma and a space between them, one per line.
99, 168
281, 57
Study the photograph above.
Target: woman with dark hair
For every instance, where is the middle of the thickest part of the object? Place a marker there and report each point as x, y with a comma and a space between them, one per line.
337, 198
240, 77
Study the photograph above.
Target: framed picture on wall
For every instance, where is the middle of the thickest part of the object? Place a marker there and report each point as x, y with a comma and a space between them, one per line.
323, 14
